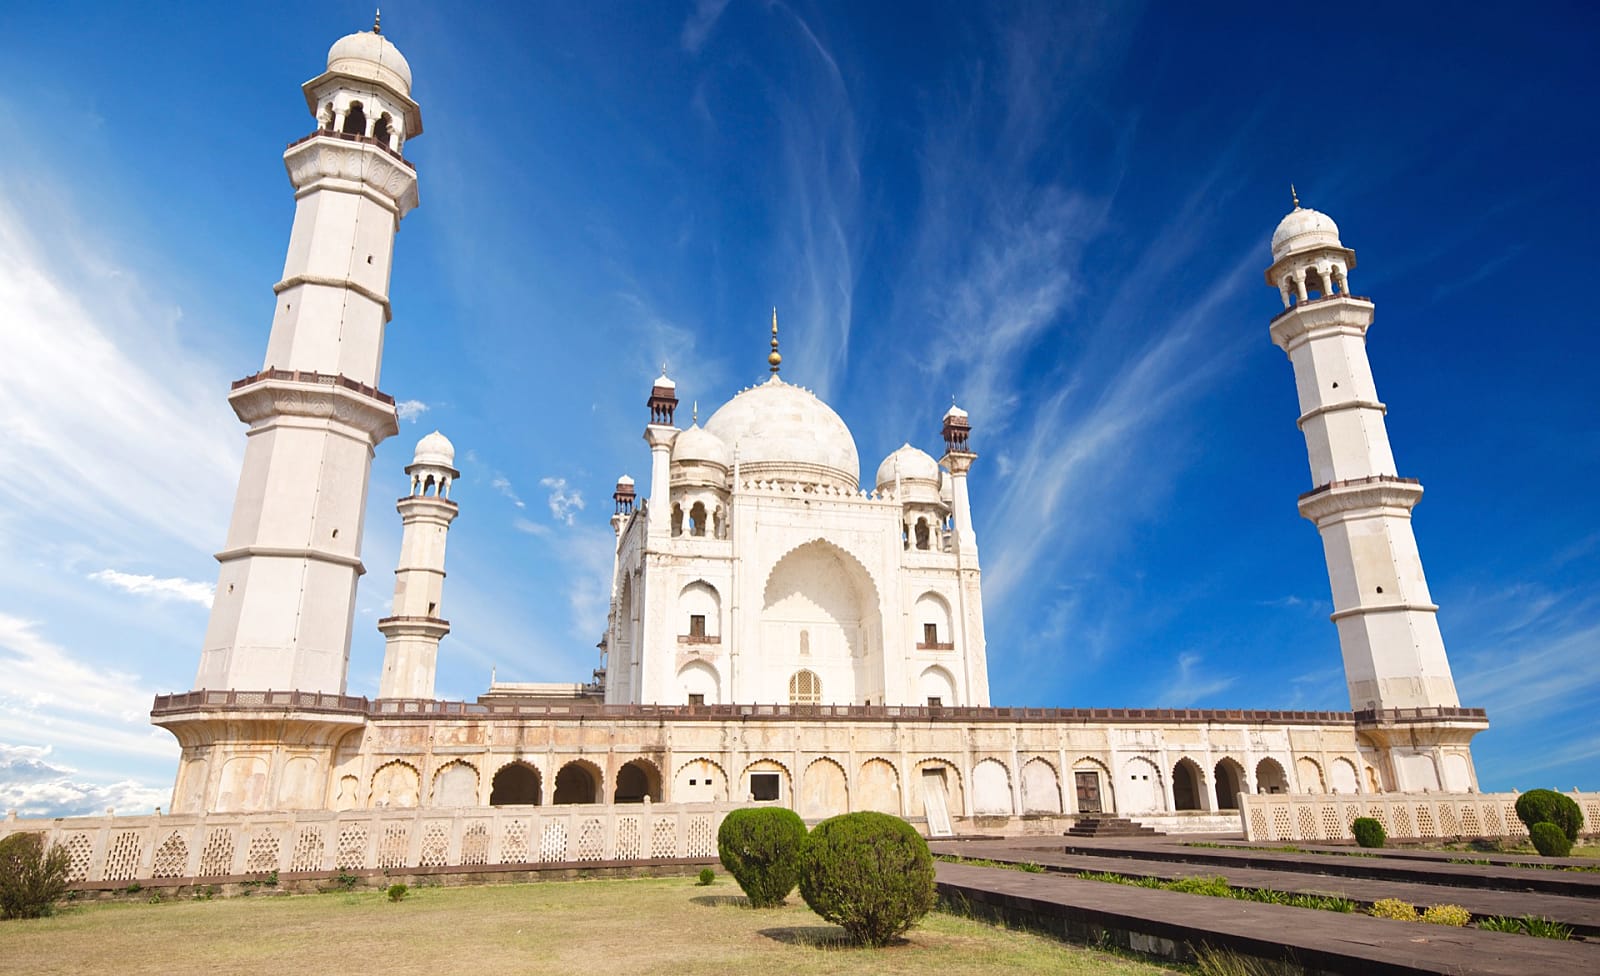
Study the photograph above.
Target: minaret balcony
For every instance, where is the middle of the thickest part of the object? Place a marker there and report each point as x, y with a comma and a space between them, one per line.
1355, 494
272, 393
360, 139
1317, 301
352, 163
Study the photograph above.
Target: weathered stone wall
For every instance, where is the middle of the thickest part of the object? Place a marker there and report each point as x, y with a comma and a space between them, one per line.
1405, 816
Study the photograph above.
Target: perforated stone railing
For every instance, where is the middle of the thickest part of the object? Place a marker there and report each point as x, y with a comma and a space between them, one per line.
1405, 816
221, 845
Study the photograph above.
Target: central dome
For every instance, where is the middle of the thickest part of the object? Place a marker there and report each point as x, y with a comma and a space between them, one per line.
370, 55
785, 433
1303, 228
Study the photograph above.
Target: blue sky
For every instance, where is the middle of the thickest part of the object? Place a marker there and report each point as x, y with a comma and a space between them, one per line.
1058, 213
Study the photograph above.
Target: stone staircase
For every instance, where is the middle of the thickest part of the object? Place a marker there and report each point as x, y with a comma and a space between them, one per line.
1102, 826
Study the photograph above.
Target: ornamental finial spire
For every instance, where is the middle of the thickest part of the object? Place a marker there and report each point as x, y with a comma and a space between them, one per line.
773, 359
377, 20
1294, 196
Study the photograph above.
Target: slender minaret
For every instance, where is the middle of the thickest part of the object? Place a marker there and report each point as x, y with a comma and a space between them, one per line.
958, 458
659, 434
413, 633
286, 590
1394, 656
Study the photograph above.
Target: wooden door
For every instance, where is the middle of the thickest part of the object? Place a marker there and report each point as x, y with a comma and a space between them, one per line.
1088, 791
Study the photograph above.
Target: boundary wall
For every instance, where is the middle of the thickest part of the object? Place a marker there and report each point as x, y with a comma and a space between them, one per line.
1405, 816
226, 845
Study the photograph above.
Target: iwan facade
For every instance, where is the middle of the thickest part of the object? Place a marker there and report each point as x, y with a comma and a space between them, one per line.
780, 630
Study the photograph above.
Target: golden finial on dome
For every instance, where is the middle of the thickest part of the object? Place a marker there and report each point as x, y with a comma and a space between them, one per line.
1294, 196
773, 359
697, 411
377, 20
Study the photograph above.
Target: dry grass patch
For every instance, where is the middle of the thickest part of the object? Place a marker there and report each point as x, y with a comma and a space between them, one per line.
642, 926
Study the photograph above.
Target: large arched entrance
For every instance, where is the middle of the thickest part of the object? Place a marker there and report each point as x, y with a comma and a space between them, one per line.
1230, 783
1187, 793
515, 784
577, 782
637, 780
820, 613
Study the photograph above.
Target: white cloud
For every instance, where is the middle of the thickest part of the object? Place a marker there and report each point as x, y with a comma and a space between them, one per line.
502, 484
530, 527
1192, 685
701, 22
35, 787
171, 588
410, 409
564, 502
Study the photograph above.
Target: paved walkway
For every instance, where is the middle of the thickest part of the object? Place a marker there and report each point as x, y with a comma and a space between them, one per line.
1319, 940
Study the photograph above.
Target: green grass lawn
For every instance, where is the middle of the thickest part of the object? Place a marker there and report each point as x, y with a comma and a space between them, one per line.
608, 928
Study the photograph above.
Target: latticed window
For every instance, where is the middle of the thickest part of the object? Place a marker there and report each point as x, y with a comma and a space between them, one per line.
805, 688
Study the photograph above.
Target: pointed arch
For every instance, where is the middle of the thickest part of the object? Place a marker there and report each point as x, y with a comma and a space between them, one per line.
517, 783
637, 780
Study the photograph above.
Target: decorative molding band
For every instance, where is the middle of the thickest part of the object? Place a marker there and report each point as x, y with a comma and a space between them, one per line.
430, 627
330, 282
1338, 615
357, 164
1298, 324
294, 552
1345, 405
268, 398
1340, 500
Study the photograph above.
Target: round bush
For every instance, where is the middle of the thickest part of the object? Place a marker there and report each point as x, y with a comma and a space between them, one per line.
1548, 806
869, 873
760, 847
1369, 832
1550, 840
1447, 915
1400, 911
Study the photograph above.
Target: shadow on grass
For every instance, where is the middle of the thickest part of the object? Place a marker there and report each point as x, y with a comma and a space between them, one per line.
815, 936
721, 901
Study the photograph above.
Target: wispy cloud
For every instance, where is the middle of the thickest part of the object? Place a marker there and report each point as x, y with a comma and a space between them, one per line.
1192, 684
700, 23
410, 410
502, 484
565, 502
169, 588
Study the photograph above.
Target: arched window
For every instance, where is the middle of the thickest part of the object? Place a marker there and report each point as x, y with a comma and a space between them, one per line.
922, 533
355, 120
677, 520
328, 115
380, 129
697, 519
805, 688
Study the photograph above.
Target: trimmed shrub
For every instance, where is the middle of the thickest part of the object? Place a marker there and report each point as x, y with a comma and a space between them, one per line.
1550, 840
1215, 886
1548, 806
760, 847
707, 876
1369, 832
1400, 911
869, 873
1447, 915
397, 892
32, 877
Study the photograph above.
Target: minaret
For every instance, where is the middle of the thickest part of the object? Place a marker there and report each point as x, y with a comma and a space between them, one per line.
660, 434
1394, 656
413, 632
286, 590
958, 458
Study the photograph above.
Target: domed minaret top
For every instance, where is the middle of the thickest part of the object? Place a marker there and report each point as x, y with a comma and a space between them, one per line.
367, 81
1308, 259
435, 449
432, 467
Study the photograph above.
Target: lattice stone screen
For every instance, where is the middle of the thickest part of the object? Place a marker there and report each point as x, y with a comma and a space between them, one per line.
1405, 816
239, 845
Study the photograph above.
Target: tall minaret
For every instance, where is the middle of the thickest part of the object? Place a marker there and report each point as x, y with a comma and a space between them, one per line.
1394, 656
414, 631
958, 458
659, 434
286, 591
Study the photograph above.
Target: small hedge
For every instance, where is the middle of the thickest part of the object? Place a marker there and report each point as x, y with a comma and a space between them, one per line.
760, 847
1453, 915
869, 873
1548, 806
32, 877
1369, 832
1394, 908
1550, 840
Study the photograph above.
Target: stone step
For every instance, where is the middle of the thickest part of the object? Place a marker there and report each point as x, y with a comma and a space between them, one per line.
1109, 827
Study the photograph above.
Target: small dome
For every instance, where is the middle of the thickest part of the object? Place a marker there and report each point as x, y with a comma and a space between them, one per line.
624, 481
435, 449
665, 383
786, 433
372, 56
698, 445
955, 411
914, 465
1301, 229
